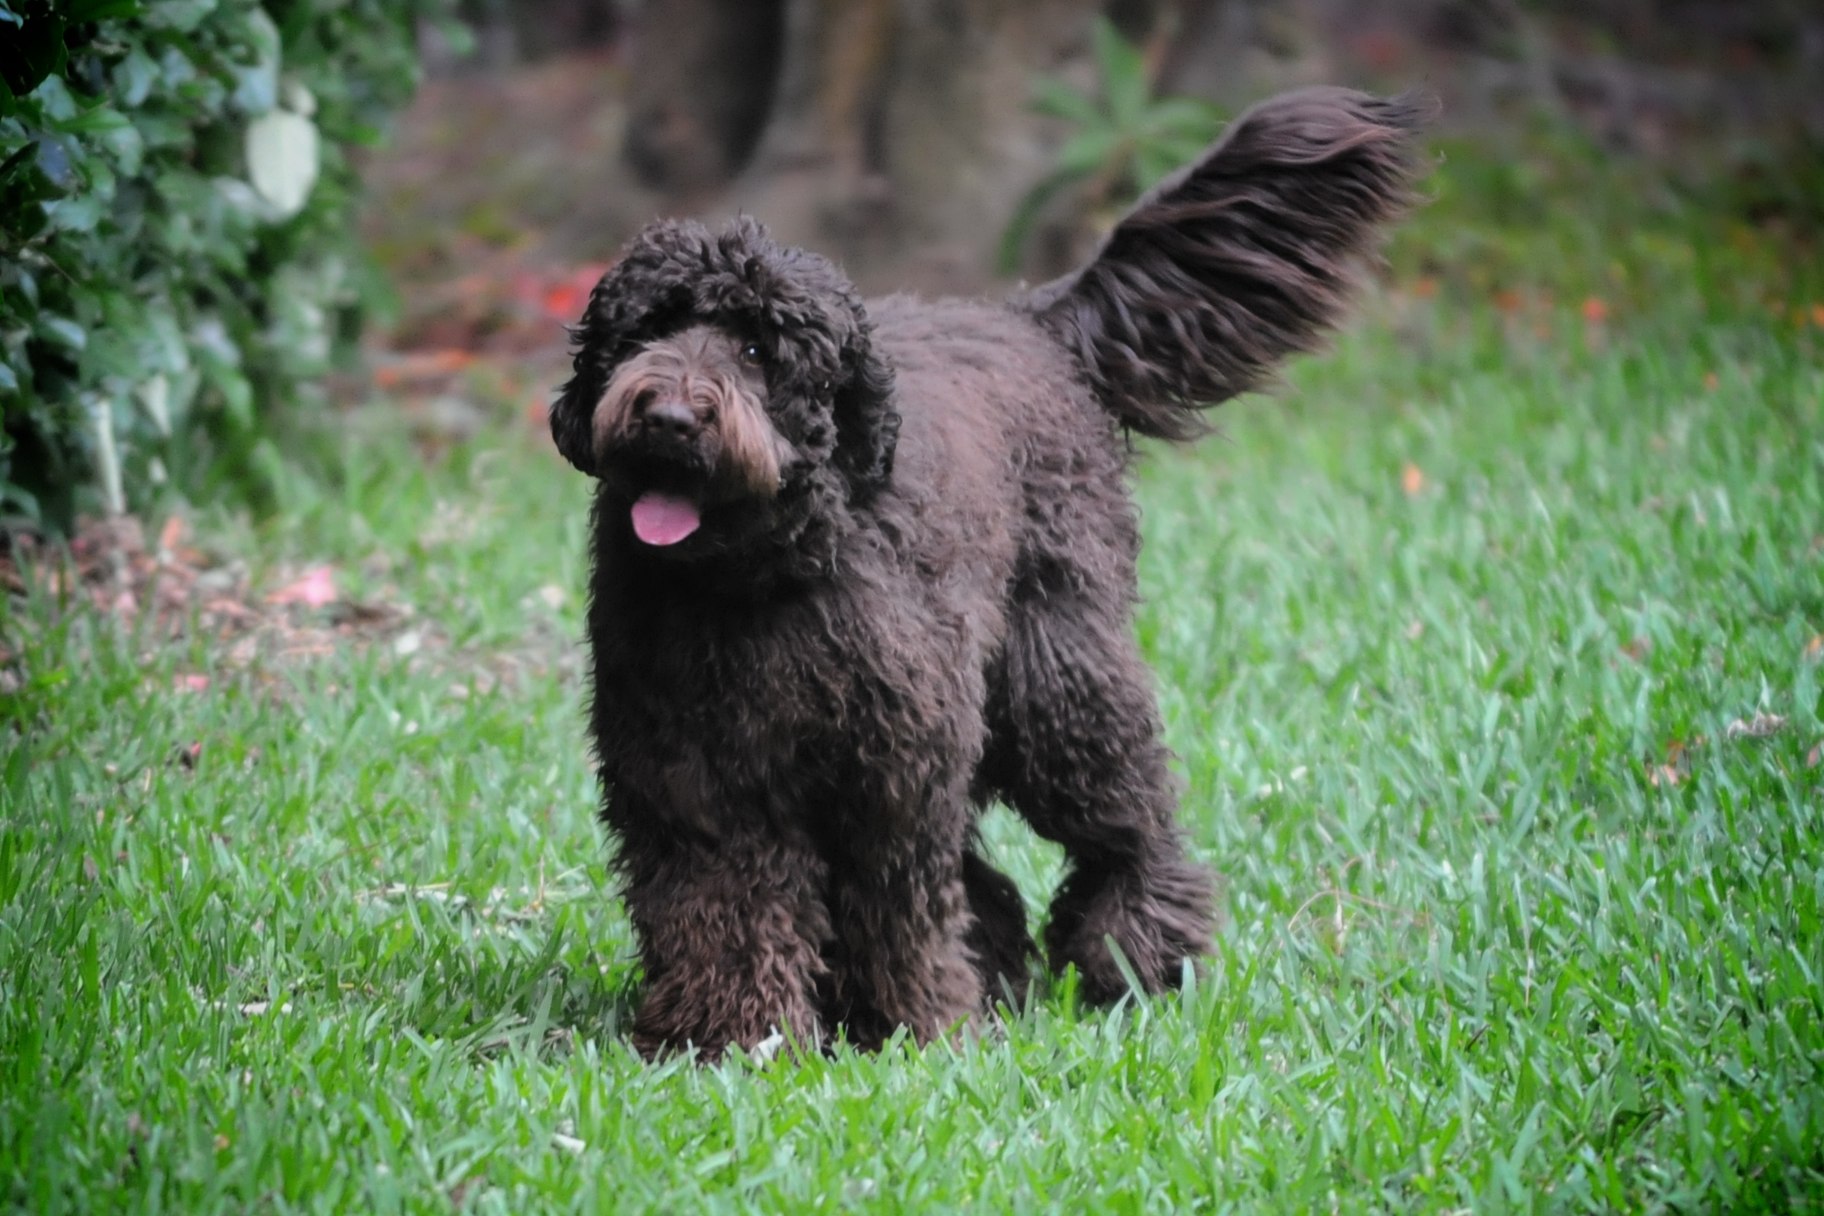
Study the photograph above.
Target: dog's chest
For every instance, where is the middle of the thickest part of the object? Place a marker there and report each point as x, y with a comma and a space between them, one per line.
789, 704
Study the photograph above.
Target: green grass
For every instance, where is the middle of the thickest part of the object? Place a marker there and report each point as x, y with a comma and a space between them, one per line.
1484, 951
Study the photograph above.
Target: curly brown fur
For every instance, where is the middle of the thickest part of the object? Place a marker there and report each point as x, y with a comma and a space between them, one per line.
859, 571
1240, 259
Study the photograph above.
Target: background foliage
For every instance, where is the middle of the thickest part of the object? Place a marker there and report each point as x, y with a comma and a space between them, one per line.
176, 245
1123, 138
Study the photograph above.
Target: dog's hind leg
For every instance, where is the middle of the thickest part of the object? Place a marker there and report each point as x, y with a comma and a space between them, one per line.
1075, 749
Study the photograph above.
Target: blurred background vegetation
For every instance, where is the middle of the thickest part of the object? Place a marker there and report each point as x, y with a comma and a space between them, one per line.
191, 272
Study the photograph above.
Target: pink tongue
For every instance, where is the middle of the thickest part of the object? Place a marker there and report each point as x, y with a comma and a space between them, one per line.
664, 519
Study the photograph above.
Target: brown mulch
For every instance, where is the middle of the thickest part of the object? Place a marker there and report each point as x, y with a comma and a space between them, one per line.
169, 589
166, 589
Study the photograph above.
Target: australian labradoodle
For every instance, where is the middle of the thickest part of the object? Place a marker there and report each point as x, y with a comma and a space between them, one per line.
861, 569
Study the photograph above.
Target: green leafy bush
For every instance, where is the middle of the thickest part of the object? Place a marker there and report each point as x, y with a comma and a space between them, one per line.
176, 244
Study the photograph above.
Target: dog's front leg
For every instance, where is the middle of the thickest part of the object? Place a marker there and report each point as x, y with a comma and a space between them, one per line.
729, 930
902, 915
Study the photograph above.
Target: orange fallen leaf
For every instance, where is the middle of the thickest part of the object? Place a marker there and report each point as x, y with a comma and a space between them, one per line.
1815, 647
1425, 287
171, 534
1710, 381
1817, 315
1594, 310
1508, 301
314, 589
1412, 480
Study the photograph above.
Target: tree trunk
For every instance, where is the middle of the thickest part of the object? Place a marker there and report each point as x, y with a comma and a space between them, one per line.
899, 136
700, 89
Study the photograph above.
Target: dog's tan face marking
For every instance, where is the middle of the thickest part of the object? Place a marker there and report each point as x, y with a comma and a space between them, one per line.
711, 386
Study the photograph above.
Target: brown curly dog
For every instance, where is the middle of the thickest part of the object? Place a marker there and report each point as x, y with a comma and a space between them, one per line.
861, 570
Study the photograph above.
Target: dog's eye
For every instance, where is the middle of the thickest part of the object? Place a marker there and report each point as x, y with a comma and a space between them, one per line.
750, 354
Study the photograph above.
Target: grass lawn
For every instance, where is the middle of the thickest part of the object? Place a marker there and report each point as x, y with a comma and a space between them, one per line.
1491, 653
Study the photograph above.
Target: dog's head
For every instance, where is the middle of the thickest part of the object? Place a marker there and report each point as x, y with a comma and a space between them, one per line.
718, 375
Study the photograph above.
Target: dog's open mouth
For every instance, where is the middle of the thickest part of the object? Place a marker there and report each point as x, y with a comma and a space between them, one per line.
664, 519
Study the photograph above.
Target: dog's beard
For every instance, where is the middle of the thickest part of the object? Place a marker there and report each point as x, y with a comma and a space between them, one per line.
682, 435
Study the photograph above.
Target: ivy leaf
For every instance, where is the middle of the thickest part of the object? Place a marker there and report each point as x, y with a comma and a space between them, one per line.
61, 330
134, 77
55, 100
55, 162
256, 89
282, 159
79, 213
26, 282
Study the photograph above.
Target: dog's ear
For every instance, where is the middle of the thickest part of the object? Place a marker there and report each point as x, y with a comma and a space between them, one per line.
572, 412
867, 423
641, 296
814, 309
1240, 259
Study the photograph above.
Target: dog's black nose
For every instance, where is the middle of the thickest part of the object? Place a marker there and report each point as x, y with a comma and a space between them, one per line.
672, 419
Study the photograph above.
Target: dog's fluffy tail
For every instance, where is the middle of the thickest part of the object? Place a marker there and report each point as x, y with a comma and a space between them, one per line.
1240, 259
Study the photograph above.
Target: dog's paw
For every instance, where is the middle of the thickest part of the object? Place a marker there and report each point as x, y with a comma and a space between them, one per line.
1157, 916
